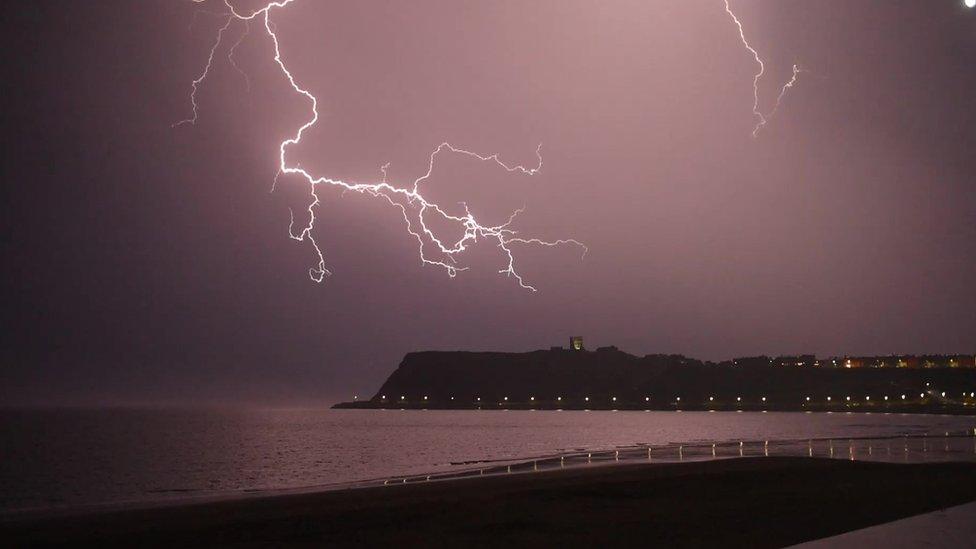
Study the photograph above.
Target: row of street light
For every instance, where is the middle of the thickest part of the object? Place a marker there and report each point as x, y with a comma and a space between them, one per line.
711, 399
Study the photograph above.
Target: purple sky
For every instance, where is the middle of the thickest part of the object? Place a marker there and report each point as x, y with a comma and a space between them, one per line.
151, 264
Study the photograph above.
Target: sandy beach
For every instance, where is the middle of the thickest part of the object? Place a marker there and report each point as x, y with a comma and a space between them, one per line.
751, 502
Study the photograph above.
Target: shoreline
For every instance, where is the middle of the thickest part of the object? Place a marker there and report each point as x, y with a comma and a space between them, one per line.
958, 446
908, 409
663, 502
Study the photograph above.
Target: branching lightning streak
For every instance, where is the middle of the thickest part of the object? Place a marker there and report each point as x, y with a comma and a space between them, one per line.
413, 205
233, 62
756, 111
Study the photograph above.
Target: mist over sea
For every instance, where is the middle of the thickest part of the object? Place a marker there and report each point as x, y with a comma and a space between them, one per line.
74, 457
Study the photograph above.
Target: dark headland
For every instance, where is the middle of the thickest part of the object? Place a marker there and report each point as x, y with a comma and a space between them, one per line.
612, 379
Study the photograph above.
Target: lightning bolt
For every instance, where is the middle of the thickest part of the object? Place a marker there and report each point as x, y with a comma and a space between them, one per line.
761, 119
416, 208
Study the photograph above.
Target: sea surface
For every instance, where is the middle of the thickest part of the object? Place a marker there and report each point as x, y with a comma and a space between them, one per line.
73, 458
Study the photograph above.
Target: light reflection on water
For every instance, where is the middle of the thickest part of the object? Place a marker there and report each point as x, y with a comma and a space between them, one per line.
81, 457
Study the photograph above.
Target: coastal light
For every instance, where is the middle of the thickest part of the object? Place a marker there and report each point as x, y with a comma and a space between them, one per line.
867, 398
921, 395
355, 397
614, 399
678, 399
425, 397
647, 399
848, 398
738, 399
711, 399
383, 397
903, 397
531, 398
828, 399
505, 398
886, 397
808, 399
452, 398
559, 398
764, 399
402, 397
943, 394
478, 399
586, 399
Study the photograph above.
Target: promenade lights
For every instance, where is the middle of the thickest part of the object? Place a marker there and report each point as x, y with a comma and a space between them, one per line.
828, 399
586, 399
903, 397
764, 399
647, 399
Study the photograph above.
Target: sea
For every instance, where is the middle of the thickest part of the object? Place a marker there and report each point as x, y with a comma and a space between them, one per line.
75, 459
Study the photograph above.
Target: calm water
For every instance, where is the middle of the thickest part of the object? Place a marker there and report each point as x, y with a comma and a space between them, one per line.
67, 458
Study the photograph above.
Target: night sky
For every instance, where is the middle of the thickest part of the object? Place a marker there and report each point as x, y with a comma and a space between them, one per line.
150, 264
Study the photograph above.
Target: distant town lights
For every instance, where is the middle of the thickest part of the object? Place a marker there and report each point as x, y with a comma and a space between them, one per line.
711, 399
647, 399
738, 399
943, 394
903, 397
808, 399
764, 399
828, 399
586, 399
848, 398
614, 399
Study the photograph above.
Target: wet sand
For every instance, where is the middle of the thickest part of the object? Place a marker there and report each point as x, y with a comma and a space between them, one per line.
749, 502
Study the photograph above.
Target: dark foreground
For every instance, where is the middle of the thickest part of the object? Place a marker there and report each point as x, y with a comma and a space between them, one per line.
751, 502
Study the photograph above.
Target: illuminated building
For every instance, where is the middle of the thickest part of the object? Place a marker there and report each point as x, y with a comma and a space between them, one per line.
576, 343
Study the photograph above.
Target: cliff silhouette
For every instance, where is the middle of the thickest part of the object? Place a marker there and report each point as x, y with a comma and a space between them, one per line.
612, 379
